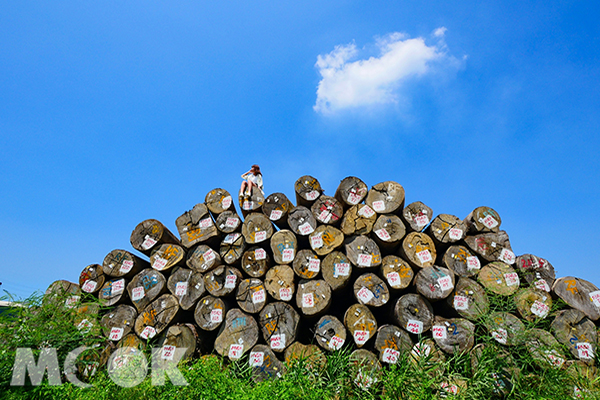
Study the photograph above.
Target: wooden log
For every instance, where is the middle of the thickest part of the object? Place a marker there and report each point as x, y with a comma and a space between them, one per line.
309, 356
276, 208
209, 313
533, 304
279, 325
330, 333
123, 264
461, 261
203, 258
454, 335
150, 233
492, 247
196, 226
146, 286
257, 228
397, 272
370, 290
251, 295
363, 252
434, 283
325, 239
256, 261
167, 256
418, 249
301, 221
388, 232
157, 316
544, 349
327, 210
469, 299
579, 294
113, 292
351, 191
237, 336
414, 313
313, 297
417, 216
365, 368
180, 338
306, 264
222, 281
284, 246
228, 222
577, 332
336, 270
361, 324
264, 363
386, 198
91, 278
499, 278
89, 361
447, 229
483, 219
505, 328
358, 220
187, 285
218, 201
307, 189
252, 203
279, 283
537, 271
584, 374
63, 292
391, 342
232, 248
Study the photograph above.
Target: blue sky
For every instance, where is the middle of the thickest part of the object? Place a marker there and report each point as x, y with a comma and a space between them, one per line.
113, 113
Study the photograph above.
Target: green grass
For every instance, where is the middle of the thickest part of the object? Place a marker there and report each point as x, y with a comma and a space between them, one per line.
41, 325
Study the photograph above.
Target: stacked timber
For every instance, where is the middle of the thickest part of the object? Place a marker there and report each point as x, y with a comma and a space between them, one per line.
359, 269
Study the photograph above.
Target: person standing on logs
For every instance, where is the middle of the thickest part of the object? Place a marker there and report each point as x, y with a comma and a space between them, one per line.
251, 178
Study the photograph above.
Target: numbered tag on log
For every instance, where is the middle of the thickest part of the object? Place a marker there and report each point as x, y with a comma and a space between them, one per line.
308, 300
314, 265
258, 296
379, 206
137, 293
168, 352
383, 234
181, 288
365, 295
275, 215
473, 263
461, 303
424, 256
511, 279
285, 294
216, 316
260, 236
414, 326
341, 269
540, 309
364, 260
455, 234
236, 351
257, 358
226, 202
260, 254
445, 283
393, 279
230, 281
148, 333
361, 337
278, 342
287, 255
126, 266
390, 356
116, 334
584, 351
316, 242
501, 335
421, 220
336, 342
439, 332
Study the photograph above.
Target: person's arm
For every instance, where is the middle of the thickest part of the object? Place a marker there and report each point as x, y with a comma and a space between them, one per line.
245, 174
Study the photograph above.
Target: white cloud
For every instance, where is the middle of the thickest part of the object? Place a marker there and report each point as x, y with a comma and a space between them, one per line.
376, 80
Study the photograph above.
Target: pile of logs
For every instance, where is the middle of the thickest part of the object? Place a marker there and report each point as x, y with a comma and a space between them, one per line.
358, 269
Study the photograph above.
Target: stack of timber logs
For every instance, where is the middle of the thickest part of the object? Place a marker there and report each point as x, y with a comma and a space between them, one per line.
358, 270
